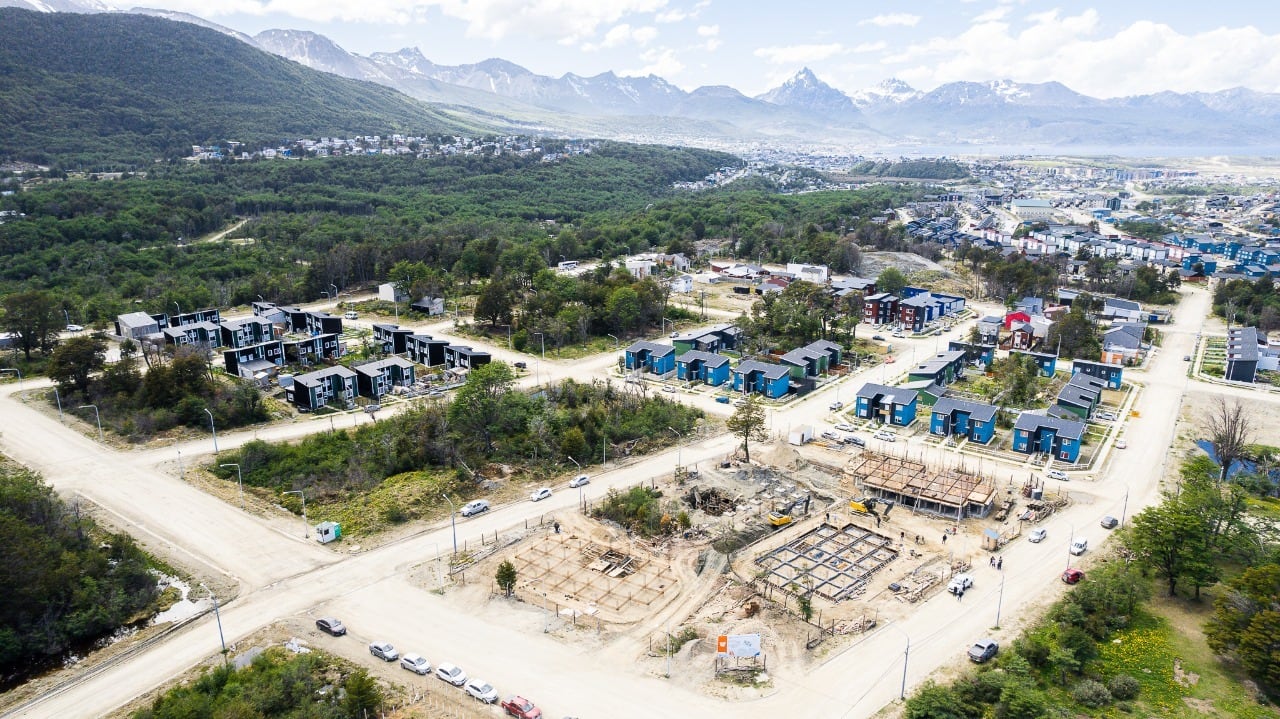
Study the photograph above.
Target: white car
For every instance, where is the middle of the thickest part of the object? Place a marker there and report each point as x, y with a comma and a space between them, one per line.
451, 673
959, 583
75, 328
481, 690
1058, 475
384, 651
844, 427
475, 506
1106, 416
350, 315
1122, 443
1037, 535
540, 494
885, 435
579, 481
415, 663
669, 388
836, 406
1079, 546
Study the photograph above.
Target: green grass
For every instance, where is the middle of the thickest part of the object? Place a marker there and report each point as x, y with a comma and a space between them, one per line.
1265, 507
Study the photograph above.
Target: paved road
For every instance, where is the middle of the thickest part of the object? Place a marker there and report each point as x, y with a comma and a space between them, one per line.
283, 576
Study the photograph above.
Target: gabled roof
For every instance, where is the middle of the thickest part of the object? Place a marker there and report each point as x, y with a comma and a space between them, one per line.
374, 368
1031, 421
768, 369
314, 378
801, 356
977, 410
1118, 337
896, 395
824, 346
711, 359
1119, 304
660, 350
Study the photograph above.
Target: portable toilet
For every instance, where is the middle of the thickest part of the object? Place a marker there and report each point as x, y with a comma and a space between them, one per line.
328, 532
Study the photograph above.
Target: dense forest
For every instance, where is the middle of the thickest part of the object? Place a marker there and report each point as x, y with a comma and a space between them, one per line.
1248, 303
104, 244
119, 91
914, 169
66, 583
276, 685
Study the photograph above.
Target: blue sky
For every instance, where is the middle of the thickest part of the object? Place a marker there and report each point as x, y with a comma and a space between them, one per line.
1121, 47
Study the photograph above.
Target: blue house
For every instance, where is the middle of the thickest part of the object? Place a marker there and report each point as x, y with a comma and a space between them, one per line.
1048, 363
392, 339
656, 358
712, 369
1190, 261
916, 311
331, 385
1039, 433
983, 354
770, 380
908, 292
887, 405
948, 304
966, 419
1110, 374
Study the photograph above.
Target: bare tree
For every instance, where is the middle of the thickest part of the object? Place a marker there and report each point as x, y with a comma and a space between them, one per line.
1231, 430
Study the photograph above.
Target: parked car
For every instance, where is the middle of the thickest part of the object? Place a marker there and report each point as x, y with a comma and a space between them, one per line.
982, 650
521, 708
1110, 522
831, 436
1121, 443
836, 406
1106, 416
1079, 546
1058, 475
350, 315
885, 435
739, 402
75, 328
540, 494
579, 481
878, 337
521, 365
1072, 576
1186, 358
481, 690
855, 441
332, 627
669, 388
1037, 535
959, 583
844, 427
898, 334
384, 651
415, 663
451, 673
722, 400
475, 506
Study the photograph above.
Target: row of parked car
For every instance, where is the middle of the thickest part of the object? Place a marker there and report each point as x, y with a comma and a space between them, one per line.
478, 689
478, 506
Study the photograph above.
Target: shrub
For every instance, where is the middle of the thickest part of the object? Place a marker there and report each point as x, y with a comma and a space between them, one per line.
1123, 686
1091, 694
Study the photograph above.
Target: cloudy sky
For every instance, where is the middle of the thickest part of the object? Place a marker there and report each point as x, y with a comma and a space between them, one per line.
1120, 47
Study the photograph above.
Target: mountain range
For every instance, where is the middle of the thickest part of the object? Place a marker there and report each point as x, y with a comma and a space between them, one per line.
804, 109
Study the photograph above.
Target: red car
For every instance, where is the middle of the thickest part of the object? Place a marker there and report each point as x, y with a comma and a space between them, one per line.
1072, 576
521, 708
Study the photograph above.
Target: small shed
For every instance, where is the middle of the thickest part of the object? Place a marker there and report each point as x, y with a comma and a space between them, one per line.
328, 532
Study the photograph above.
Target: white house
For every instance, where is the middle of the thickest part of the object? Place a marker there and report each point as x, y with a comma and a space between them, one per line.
817, 274
682, 284
390, 292
640, 269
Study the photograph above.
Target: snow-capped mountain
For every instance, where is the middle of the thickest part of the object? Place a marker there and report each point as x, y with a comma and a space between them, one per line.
80, 6
318, 53
888, 92
176, 16
805, 91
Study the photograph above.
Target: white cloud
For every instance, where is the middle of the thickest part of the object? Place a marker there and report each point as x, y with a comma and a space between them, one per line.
792, 54
622, 35
670, 16
660, 61
995, 14
712, 44
869, 47
1144, 57
897, 18
564, 21
708, 30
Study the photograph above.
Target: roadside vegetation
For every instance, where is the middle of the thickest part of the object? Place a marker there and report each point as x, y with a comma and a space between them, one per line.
396, 469
276, 684
1108, 648
67, 583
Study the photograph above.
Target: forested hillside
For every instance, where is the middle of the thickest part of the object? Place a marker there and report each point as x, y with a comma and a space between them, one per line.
117, 91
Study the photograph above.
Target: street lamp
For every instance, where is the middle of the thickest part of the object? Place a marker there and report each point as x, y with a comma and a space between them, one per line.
217, 615
616, 343
453, 522
1070, 541
175, 304
239, 480
335, 290
214, 428
906, 654
97, 417
58, 397
1125, 507
306, 528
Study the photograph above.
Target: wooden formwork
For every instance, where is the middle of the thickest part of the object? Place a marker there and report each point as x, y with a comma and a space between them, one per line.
574, 573
949, 490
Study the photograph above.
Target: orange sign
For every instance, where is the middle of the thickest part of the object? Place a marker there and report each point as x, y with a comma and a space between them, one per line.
722, 644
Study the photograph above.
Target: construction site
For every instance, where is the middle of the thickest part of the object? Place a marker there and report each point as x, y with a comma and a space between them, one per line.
954, 493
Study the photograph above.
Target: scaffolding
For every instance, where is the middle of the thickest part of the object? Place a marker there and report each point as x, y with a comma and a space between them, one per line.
566, 572
831, 562
954, 493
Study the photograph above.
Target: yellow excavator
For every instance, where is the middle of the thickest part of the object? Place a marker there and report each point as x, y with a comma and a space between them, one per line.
782, 515
867, 506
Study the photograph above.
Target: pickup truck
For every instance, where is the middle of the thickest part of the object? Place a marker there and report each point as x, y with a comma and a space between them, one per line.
959, 583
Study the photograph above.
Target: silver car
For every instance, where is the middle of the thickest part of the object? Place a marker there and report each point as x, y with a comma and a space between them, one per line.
481, 690
451, 673
415, 663
384, 651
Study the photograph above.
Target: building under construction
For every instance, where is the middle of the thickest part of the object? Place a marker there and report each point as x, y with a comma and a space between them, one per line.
954, 493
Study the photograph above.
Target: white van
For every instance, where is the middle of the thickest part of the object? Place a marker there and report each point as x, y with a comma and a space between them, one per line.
350, 315
1079, 546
